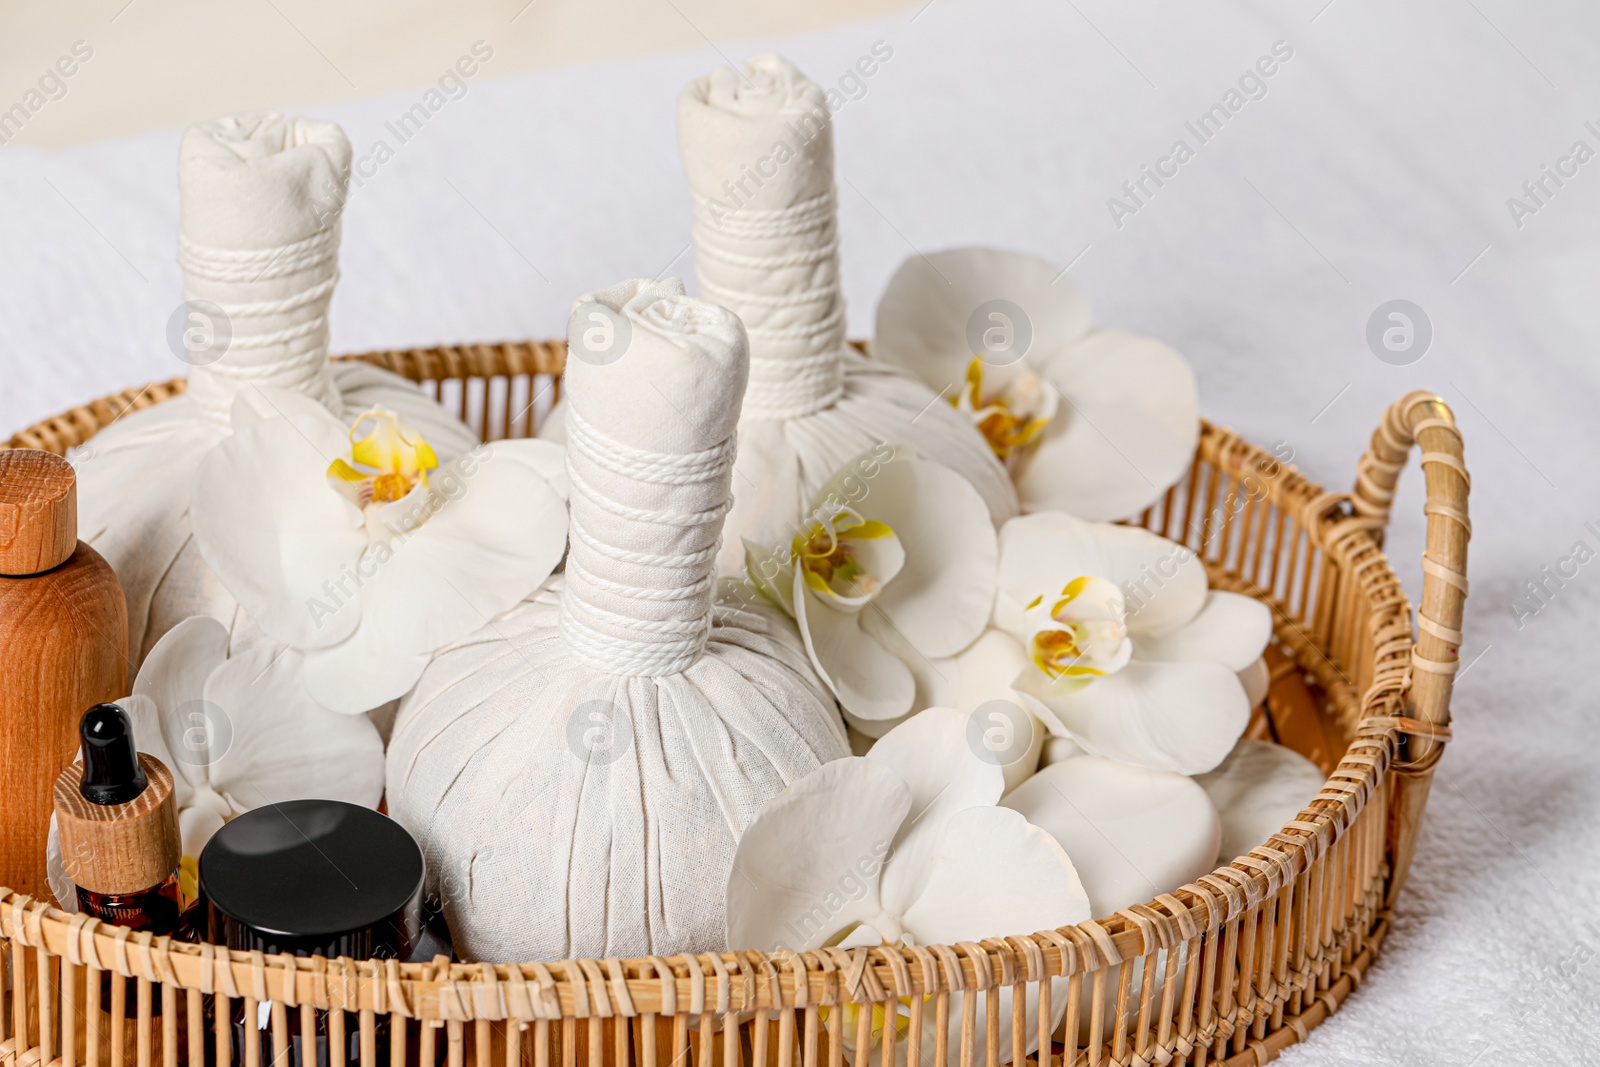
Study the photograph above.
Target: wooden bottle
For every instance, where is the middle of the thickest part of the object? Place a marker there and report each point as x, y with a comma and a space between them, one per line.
63, 648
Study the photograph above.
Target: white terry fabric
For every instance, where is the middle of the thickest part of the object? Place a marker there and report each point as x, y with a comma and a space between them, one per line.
579, 771
261, 198
758, 151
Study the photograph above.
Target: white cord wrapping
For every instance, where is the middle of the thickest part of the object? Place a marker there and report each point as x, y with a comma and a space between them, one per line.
276, 305
778, 269
627, 610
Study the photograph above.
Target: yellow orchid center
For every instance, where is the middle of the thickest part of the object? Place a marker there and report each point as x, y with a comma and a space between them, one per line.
189, 879
1010, 419
880, 1018
1082, 634
835, 554
388, 459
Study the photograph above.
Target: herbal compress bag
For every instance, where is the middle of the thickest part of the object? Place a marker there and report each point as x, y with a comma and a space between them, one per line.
580, 770
260, 201
758, 151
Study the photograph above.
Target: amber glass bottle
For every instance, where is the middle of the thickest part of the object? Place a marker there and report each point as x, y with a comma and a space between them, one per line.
118, 822
119, 827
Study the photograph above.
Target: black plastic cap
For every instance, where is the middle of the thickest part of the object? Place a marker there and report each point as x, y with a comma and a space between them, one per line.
314, 877
111, 771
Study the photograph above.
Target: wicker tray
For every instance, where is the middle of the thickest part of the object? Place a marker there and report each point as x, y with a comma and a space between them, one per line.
1235, 966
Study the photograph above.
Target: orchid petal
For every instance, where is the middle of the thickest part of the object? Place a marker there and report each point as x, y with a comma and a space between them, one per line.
1177, 716
365, 671
923, 315
494, 530
985, 669
1127, 429
873, 685
364, 386
55, 870
1058, 750
1164, 583
932, 752
942, 598
1258, 789
378, 440
1229, 629
174, 673
1133, 833
771, 573
1257, 681
807, 865
863, 936
993, 874
547, 460
982, 675
272, 531
280, 744
195, 827
764, 505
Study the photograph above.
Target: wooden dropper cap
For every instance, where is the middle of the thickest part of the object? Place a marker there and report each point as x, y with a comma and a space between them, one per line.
119, 829
38, 511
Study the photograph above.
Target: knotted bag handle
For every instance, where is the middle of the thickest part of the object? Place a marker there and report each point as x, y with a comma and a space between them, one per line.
1421, 418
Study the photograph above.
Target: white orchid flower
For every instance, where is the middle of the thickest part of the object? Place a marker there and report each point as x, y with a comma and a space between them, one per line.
1133, 833
902, 846
1129, 653
977, 681
892, 568
355, 546
1094, 422
1257, 790
240, 731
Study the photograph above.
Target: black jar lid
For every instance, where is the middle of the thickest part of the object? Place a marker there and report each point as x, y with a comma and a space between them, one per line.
314, 877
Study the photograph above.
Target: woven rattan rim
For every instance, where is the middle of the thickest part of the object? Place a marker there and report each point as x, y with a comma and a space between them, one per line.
1400, 726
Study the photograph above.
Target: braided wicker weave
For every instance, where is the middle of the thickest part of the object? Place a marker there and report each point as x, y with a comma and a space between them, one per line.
1234, 967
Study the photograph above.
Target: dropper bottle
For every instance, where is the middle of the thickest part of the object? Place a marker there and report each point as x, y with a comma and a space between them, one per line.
119, 827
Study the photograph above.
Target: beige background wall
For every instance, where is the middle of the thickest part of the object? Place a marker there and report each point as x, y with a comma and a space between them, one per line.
160, 63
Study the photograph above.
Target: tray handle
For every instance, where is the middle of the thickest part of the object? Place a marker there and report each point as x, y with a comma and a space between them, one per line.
1420, 418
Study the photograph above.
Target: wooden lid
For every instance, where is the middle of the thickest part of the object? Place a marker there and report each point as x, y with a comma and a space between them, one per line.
38, 511
119, 848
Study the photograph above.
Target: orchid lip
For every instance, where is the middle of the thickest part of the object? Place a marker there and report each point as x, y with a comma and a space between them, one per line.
833, 553
1011, 420
1084, 635
386, 464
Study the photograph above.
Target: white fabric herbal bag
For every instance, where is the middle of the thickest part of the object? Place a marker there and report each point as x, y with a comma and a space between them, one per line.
260, 203
580, 770
757, 148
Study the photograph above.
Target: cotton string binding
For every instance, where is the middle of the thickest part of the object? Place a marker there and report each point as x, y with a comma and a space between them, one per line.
796, 334
279, 341
660, 618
